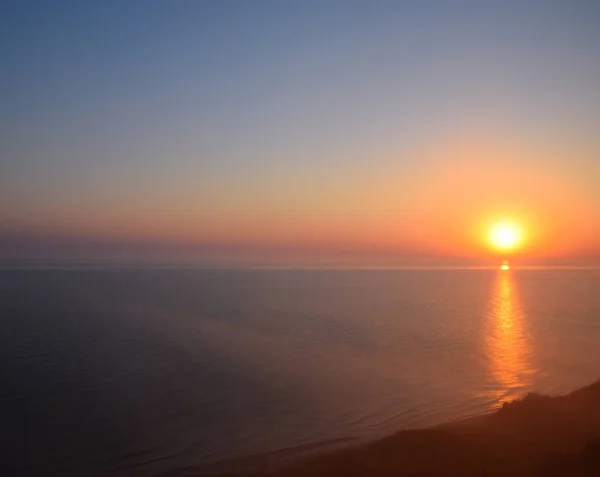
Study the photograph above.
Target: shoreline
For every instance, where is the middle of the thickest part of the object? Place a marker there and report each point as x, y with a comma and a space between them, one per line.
535, 436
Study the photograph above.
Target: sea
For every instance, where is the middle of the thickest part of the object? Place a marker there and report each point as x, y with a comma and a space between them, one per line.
146, 371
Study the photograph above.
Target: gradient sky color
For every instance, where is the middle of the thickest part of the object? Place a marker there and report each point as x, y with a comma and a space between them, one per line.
325, 132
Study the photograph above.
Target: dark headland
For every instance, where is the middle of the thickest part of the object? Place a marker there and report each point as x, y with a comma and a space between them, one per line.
537, 436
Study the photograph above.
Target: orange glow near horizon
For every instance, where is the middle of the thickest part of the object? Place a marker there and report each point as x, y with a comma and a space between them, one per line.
490, 198
481, 203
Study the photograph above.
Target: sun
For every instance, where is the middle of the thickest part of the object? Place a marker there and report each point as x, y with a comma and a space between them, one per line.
505, 236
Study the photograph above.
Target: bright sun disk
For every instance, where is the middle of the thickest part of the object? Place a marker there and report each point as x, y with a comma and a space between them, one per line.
505, 236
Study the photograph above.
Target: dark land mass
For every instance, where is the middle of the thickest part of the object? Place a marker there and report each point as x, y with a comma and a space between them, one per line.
537, 436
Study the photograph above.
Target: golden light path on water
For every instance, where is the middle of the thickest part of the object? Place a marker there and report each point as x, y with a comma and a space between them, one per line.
507, 342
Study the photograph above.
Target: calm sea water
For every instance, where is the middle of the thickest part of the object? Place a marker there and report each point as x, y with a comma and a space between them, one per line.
135, 372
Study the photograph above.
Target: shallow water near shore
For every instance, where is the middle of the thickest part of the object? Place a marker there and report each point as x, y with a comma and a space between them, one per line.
136, 372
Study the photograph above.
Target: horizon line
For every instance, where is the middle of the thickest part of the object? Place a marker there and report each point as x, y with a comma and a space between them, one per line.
116, 264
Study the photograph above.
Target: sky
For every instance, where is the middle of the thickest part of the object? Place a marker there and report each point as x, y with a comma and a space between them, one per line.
299, 132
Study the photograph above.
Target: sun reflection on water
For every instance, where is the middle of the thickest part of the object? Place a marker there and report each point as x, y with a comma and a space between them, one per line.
508, 346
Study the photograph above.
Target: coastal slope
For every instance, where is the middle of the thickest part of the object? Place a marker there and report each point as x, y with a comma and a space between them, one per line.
537, 436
